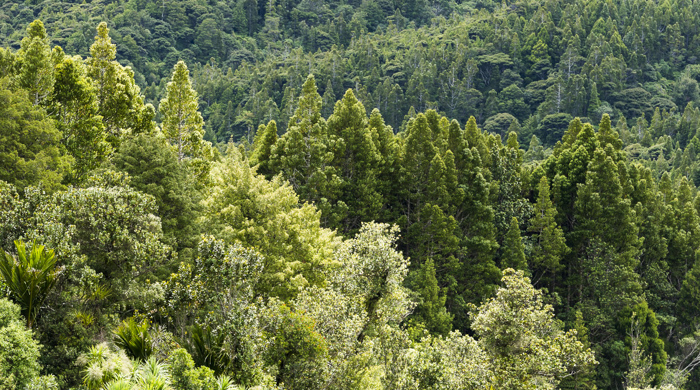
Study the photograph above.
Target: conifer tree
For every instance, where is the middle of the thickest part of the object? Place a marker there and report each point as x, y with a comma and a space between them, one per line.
265, 139
418, 154
74, 105
601, 210
535, 151
437, 191
182, 122
456, 143
30, 149
388, 167
550, 245
430, 314
690, 294
303, 156
119, 98
475, 139
477, 274
594, 100
36, 73
607, 136
513, 253
153, 169
355, 159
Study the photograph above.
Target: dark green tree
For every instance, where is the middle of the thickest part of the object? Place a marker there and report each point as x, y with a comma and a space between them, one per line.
30, 151
154, 170
513, 251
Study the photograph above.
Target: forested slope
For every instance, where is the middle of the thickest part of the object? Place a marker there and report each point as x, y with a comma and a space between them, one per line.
325, 195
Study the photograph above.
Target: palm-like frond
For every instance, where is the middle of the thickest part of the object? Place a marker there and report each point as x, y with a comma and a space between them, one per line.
134, 338
205, 347
224, 382
102, 366
119, 384
30, 276
153, 375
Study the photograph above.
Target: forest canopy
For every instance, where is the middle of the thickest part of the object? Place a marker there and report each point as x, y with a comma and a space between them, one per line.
375, 195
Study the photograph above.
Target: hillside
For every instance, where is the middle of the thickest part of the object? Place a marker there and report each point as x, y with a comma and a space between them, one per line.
327, 195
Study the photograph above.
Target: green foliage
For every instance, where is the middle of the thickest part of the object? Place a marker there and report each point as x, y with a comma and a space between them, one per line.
243, 207
153, 169
105, 369
182, 122
297, 349
514, 321
430, 313
550, 245
118, 97
604, 217
184, 374
74, 107
103, 365
19, 352
514, 252
134, 338
44, 382
690, 294
640, 324
265, 139
30, 152
109, 242
29, 276
36, 67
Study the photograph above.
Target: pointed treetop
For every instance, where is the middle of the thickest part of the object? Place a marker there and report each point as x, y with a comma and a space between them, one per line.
586, 138
310, 103
265, 139
36, 30
513, 249
471, 132
103, 49
455, 140
606, 135
182, 122
512, 141
572, 132
36, 73
309, 86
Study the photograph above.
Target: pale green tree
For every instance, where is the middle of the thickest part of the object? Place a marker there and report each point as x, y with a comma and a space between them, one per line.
517, 323
36, 66
74, 106
550, 245
182, 122
119, 98
19, 351
30, 144
243, 207
363, 301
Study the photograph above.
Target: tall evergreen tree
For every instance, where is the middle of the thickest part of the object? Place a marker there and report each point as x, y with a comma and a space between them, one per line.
30, 149
265, 139
74, 105
550, 245
182, 122
36, 73
513, 251
120, 102
303, 155
430, 314
355, 158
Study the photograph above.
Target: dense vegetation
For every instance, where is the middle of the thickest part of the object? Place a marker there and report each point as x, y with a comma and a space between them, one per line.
331, 195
